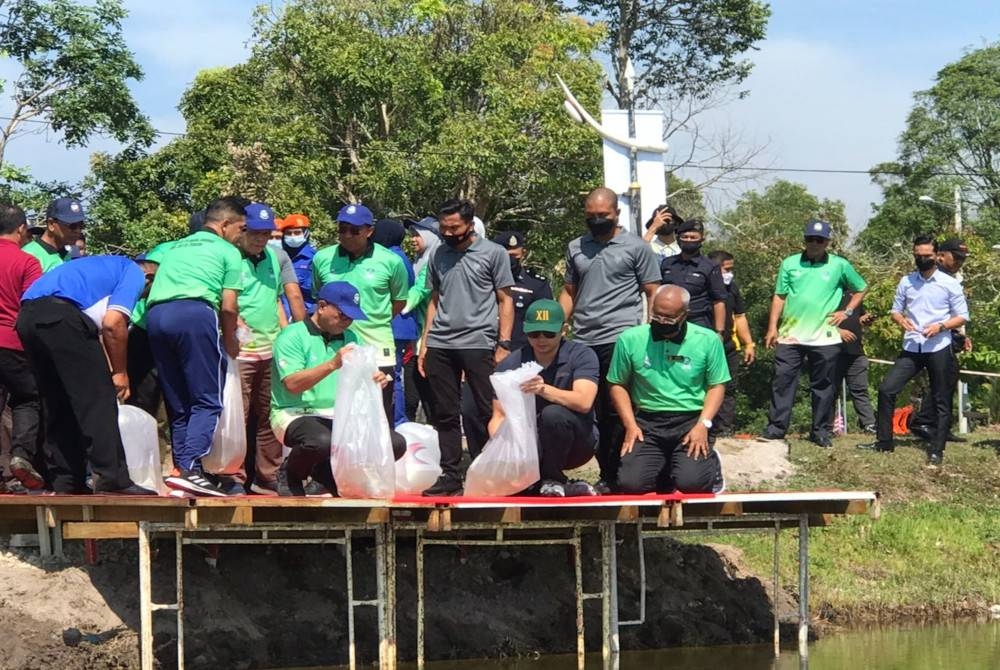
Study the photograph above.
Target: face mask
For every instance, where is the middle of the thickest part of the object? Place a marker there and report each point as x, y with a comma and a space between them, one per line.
666, 229
923, 264
600, 226
295, 241
664, 331
274, 244
456, 240
515, 267
689, 247
727, 278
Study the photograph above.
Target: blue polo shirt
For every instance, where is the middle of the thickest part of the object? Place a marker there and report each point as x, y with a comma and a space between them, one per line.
95, 284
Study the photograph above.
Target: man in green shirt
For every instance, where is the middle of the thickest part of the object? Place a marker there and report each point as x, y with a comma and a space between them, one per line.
307, 358
667, 380
195, 293
807, 296
380, 278
64, 220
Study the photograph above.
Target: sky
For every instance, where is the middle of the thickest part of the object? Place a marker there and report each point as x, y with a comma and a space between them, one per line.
831, 86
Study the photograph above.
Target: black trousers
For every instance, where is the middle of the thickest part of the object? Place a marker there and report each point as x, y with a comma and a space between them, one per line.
788, 362
416, 390
853, 368
660, 462
566, 440
309, 439
25, 406
444, 368
476, 432
144, 382
78, 399
939, 368
609, 424
725, 420
927, 414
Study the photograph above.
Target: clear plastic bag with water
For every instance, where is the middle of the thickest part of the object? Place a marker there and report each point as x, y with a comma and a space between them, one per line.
229, 445
142, 448
420, 466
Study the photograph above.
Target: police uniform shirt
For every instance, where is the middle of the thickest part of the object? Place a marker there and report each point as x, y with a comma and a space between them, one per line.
528, 287
703, 280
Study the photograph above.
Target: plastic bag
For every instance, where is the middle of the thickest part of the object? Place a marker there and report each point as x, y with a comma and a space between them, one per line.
509, 461
142, 448
229, 445
360, 446
420, 466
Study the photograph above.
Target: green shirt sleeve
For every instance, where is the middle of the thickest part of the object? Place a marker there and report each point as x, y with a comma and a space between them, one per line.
620, 371
399, 283
716, 370
852, 279
781, 284
289, 356
232, 277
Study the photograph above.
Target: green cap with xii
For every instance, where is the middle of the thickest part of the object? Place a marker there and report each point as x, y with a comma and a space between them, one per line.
544, 316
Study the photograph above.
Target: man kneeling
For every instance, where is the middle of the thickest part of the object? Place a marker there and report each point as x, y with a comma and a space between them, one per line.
307, 358
674, 373
564, 398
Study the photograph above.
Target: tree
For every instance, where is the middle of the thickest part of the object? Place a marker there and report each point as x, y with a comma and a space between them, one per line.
75, 66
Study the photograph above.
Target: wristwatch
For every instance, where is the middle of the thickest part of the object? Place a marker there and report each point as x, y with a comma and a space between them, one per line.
504, 344
849, 312
707, 423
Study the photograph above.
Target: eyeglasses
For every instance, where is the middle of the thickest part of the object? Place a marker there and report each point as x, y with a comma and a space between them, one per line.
545, 334
816, 240
348, 229
666, 320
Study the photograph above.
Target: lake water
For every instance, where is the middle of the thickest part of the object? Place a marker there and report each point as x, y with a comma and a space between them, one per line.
942, 647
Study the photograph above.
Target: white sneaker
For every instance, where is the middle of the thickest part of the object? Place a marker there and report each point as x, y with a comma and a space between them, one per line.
551, 489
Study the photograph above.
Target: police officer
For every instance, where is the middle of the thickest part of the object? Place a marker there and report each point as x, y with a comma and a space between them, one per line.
701, 277
528, 287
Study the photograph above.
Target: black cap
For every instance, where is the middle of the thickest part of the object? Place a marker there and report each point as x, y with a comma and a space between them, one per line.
509, 239
691, 224
955, 246
675, 218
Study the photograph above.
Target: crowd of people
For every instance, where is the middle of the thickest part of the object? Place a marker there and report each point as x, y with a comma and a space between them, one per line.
639, 351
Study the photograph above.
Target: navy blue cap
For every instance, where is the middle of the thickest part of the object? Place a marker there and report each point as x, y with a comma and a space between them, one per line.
427, 223
355, 215
817, 228
345, 297
259, 217
509, 239
65, 210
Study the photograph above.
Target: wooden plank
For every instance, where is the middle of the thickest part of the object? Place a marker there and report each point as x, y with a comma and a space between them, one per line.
663, 518
511, 515
96, 530
628, 514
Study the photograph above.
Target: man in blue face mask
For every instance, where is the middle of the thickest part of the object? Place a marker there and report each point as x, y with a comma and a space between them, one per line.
295, 241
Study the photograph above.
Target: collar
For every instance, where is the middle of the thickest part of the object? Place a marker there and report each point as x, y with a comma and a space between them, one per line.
255, 259
315, 331
51, 249
933, 277
589, 237
367, 254
822, 261
561, 353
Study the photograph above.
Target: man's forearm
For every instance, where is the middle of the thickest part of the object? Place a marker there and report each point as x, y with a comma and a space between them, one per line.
506, 314
115, 339
622, 404
719, 310
855, 302
777, 305
743, 329
713, 401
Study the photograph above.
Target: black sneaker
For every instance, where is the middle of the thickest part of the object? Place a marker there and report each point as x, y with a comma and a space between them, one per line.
921, 431
287, 485
316, 490
877, 446
26, 473
952, 437
769, 439
446, 485
264, 488
133, 490
822, 442
194, 481
603, 488
935, 459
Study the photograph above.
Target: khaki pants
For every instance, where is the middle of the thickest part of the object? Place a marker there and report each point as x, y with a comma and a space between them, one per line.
256, 377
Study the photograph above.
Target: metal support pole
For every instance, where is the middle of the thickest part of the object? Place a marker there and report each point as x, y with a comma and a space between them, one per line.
804, 585
581, 647
420, 600
642, 580
387, 597
145, 599
179, 548
609, 597
775, 581
44, 538
351, 652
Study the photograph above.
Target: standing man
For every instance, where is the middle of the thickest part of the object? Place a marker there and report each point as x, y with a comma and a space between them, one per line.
951, 257
64, 219
852, 365
144, 383
564, 393
528, 287
661, 232
929, 303
673, 373
737, 328
608, 270
194, 296
295, 241
467, 331
18, 271
806, 301
379, 276
264, 281
74, 325
699, 276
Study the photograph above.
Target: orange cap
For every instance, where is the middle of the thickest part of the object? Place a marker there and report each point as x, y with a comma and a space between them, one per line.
294, 221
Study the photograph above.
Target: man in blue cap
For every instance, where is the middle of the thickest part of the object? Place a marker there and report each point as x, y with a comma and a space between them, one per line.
73, 324
304, 370
64, 221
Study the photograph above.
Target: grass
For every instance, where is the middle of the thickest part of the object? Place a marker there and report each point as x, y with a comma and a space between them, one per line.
935, 551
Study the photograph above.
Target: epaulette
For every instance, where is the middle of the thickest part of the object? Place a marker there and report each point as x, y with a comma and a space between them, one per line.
531, 272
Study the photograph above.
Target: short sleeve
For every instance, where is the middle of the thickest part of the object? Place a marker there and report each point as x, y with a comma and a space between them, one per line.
433, 280
716, 287
232, 277
288, 353
782, 284
545, 291
620, 370
739, 307
852, 279
126, 293
502, 276
32, 271
585, 364
647, 270
285, 268
571, 276
399, 281
899, 300
716, 370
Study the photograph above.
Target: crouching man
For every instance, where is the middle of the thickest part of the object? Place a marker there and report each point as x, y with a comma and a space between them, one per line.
306, 359
674, 373
564, 398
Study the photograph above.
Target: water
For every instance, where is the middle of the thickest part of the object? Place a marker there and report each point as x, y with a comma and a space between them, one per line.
942, 647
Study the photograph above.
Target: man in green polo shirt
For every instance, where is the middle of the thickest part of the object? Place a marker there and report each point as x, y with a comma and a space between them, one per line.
307, 358
667, 380
806, 302
64, 220
380, 278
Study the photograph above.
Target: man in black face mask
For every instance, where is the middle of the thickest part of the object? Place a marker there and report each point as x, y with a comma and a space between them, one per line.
528, 287
701, 277
928, 305
607, 272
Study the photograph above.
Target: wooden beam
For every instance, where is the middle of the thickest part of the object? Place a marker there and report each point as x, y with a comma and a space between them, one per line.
96, 530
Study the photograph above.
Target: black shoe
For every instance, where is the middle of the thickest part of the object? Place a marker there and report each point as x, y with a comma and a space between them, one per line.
877, 446
952, 437
194, 481
935, 458
26, 473
604, 488
133, 490
921, 431
446, 485
822, 442
288, 485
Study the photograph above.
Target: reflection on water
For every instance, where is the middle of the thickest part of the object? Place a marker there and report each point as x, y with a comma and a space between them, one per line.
943, 647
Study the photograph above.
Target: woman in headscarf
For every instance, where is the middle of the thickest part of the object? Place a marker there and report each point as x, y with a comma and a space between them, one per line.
425, 238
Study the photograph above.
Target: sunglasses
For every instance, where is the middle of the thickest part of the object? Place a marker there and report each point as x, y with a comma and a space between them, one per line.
816, 240
546, 335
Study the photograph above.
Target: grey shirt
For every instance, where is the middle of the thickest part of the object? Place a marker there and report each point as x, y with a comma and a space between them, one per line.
467, 281
609, 279
285, 267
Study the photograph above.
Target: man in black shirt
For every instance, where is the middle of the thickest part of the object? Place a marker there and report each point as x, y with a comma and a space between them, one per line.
852, 364
736, 323
701, 277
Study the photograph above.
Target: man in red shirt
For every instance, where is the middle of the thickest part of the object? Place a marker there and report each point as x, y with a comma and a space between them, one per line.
18, 270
